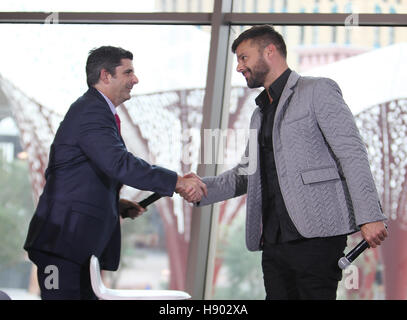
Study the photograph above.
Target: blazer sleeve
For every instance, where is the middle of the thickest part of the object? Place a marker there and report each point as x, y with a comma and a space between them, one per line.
231, 183
338, 126
99, 140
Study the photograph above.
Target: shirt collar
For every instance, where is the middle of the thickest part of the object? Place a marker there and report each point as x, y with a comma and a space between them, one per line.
275, 90
110, 103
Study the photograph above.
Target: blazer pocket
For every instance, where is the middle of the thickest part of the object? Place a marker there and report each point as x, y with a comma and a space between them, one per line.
296, 117
88, 209
320, 175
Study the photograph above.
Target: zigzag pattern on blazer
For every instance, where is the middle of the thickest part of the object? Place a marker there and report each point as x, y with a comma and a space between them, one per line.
322, 165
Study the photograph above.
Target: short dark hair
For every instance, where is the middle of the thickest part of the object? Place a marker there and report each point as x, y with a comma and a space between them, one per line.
263, 35
105, 57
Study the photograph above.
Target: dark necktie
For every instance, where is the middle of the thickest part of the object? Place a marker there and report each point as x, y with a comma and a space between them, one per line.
117, 121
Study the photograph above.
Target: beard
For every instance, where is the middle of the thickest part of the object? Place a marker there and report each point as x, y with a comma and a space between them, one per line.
257, 74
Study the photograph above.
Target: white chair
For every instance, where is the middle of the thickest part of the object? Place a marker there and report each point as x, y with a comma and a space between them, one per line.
104, 293
4, 296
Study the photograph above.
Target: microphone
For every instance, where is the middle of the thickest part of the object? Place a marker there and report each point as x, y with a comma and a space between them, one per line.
149, 200
345, 261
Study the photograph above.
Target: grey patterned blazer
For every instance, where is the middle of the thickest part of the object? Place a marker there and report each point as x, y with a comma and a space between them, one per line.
322, 165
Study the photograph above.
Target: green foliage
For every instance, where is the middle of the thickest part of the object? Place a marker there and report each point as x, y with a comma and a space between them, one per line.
243, 268
16, 209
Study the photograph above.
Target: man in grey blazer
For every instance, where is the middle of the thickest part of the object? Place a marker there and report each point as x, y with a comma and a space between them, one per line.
312, 185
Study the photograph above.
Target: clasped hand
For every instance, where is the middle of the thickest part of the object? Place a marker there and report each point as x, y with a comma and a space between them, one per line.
374, 233
191, 188
129, 209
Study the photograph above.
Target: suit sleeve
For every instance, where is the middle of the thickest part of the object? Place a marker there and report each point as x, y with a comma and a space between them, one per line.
338, 126
99, 140
231, 183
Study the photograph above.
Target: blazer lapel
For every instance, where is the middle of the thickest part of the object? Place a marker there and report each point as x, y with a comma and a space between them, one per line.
94, 92
285, 96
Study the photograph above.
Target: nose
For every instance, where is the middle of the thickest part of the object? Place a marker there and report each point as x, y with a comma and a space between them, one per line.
135, 79
239, 67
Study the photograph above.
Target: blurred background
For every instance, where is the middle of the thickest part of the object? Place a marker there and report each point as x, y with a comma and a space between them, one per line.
42, 71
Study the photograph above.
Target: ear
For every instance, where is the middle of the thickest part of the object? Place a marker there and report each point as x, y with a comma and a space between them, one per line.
270, 51
104, 76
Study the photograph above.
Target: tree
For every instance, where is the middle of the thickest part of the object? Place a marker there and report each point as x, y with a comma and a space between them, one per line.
15, 212
243, 277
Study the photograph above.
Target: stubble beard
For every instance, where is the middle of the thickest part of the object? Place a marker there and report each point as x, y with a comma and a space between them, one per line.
258, 74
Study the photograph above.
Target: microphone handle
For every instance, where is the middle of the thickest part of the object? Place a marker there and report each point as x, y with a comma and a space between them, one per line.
344, 262
149, 200
356, 251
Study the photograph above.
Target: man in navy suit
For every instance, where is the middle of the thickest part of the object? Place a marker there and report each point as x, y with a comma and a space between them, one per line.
78, 212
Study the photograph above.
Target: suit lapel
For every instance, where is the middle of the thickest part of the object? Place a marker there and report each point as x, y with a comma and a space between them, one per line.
94, 92
286, 95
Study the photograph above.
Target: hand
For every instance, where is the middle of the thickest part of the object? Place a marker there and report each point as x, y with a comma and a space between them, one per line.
192, 175
129, 209
374, 233
202, 184
191, 188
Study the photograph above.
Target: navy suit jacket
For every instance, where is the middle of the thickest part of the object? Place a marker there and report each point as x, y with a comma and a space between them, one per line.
77, 213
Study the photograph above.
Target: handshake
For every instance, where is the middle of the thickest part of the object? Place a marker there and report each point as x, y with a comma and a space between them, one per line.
191, 188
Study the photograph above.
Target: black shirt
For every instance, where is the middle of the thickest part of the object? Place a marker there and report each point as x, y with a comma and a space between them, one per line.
277, 224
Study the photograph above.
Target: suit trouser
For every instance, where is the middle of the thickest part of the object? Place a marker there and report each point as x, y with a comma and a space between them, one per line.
303, 269
61, 279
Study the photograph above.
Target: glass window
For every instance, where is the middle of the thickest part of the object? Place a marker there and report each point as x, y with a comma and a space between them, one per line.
42, 73
376, 94
107, 6
353, 40
322, 6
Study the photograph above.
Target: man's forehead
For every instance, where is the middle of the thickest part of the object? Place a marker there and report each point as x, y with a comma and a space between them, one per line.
126, 63
245, 45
